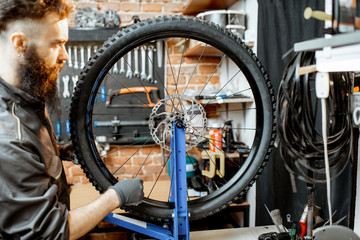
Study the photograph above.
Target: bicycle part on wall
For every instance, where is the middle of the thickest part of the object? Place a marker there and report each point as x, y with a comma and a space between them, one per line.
194, 88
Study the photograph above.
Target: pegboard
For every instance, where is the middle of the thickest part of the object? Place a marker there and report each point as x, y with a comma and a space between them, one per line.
121, 116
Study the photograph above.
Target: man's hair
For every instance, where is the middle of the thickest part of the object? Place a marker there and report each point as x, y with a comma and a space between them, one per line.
12, 10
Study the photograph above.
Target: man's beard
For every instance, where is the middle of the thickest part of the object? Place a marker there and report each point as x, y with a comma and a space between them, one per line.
40, 80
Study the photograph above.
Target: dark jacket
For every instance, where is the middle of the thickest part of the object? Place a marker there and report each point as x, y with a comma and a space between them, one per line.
34, 199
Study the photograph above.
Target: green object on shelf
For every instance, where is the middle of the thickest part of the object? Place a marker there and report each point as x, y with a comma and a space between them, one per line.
191, 165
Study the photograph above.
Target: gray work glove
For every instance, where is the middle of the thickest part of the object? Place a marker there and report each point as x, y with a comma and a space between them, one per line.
129, 191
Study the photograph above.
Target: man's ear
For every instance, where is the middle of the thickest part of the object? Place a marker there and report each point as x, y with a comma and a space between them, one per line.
19, 42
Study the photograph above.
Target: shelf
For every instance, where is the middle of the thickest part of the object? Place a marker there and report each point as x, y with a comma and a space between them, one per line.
91, 34
209, 51
198, 49
226, 100
196, 6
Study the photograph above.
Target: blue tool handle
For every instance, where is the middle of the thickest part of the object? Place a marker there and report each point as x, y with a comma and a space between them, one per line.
58, 128
67, 127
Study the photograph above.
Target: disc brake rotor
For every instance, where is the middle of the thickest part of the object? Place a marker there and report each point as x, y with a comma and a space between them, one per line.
182, 109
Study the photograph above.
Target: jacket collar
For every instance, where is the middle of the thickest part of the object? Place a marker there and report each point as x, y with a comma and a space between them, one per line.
9, 92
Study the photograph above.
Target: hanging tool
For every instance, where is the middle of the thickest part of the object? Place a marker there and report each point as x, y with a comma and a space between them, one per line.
143, 63
89, 52
69, 61
76, 63
278, 228
277, 219
160, 52
74, 79
150, 77
122, 65
213, 156
103, 94
136, 62
82, 57
65, 80
116, 124
129, 70
302, 222
115, 68
132, 90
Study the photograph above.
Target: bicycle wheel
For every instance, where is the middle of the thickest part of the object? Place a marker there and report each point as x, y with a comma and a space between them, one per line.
121, 121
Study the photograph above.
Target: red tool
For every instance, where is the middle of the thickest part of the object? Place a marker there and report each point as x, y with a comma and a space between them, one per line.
303, 222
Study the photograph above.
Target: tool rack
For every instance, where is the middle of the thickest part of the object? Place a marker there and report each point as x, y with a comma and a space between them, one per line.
82, 44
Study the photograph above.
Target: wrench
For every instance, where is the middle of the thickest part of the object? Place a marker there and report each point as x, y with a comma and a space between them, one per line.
160, 51
74, 79
89, 52
136, 62
65, 80
115, 68
76, 63
129, 72
122, 65
69, 62
82, 54
150, 77
143, 63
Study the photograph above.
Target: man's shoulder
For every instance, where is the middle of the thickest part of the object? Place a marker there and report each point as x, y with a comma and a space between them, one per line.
7, 122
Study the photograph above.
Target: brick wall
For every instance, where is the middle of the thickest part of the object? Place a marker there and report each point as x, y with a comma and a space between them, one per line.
126, 9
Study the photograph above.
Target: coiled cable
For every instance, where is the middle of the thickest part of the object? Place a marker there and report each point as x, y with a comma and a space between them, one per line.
298, 119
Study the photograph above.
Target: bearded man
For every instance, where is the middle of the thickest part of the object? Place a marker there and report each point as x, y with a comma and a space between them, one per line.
34, 199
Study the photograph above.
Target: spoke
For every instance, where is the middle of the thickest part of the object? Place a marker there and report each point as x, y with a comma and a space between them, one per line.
157, 179
223, 87
242, 128
222, 59
130, 157
172, 70
232, 110
181, 60
119, 114
197, 63
126, 134
145, 160
225, 155
158, 76
117, 80
133, 70
210, 157
129, 145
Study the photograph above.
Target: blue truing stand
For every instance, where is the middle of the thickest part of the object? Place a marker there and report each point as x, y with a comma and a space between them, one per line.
181, 229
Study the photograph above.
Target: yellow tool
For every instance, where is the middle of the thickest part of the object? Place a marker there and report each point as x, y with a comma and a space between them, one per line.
212, 163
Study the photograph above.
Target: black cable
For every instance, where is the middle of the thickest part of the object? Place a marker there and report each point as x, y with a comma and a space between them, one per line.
299, 123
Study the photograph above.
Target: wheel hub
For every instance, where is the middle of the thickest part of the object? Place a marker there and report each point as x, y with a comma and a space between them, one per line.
181, 109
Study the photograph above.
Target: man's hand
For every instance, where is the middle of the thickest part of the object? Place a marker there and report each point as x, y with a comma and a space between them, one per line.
129, 191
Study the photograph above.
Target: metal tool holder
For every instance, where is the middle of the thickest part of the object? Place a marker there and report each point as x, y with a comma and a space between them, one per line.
179, 229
